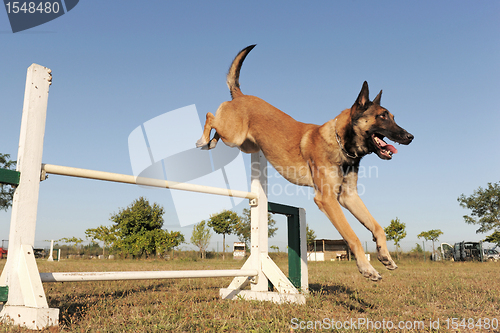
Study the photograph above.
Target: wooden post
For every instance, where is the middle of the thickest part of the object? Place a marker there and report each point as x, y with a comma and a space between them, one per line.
51, 257
303, 251
258, 214
27, 305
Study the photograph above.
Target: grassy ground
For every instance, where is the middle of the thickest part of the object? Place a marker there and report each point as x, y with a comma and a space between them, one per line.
414, 298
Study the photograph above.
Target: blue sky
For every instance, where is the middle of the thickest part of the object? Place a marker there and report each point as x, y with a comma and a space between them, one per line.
117, 64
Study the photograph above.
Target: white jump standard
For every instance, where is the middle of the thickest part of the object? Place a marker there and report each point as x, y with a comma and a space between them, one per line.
26, 304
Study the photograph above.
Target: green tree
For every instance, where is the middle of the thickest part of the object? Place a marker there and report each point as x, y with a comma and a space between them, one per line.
243, 228
107, 235
201, 237
138, 217
396, 231
91, 249
73, 240
417, 249
493, 238
224, 223
485, 206
431, 235
310, 236
138, 230
151, 242
165, 240
6, 191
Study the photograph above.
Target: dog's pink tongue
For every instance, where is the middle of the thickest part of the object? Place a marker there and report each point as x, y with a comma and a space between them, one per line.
391, 148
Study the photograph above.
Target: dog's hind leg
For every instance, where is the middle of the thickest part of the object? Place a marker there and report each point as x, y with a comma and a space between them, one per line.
204, 142
350, 199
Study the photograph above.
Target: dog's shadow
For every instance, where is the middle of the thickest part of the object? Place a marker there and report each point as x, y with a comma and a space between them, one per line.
342, 295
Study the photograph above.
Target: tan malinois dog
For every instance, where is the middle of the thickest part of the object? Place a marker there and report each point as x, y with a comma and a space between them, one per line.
325, 157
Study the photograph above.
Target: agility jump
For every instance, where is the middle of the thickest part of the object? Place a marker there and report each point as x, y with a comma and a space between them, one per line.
26, 304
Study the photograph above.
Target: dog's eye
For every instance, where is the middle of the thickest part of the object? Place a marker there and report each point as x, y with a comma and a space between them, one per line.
383, 115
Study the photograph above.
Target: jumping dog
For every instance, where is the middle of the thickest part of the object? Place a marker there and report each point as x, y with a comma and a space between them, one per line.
325, 157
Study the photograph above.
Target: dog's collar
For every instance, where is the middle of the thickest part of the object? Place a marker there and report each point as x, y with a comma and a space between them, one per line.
346, 153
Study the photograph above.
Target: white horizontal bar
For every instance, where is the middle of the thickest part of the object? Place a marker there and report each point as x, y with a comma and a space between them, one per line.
142, 275
128, 179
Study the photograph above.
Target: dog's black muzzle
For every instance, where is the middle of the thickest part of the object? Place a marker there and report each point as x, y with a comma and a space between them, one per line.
382, 149
406, 138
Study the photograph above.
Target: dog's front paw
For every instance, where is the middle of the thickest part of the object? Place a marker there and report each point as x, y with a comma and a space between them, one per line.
369, 272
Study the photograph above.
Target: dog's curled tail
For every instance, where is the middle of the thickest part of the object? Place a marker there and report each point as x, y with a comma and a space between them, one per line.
233, 76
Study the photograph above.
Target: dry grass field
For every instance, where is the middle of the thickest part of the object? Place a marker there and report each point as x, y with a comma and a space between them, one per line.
419, 296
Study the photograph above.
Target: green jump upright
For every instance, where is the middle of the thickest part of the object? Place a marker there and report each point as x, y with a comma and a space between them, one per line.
297, 247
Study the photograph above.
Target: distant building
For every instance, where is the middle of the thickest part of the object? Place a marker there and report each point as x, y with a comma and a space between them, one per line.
328, 249
239, 250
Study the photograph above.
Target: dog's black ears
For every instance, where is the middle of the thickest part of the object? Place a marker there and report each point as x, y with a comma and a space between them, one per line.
376, 101
362, 100
364, 95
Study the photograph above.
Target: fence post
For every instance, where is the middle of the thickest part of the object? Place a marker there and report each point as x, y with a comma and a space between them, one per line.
26, 304
258, 214
51, 256
303, 251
